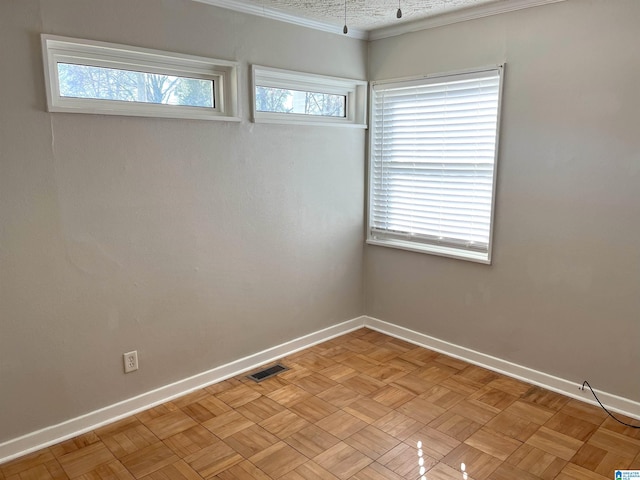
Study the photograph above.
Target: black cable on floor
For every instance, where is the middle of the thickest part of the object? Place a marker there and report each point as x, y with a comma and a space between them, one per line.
604, 408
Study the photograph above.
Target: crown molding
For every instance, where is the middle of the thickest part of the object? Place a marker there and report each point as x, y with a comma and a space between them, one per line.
463, 15
273, 14
504, 6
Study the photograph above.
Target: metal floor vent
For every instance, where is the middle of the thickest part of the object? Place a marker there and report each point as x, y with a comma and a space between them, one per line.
267, 372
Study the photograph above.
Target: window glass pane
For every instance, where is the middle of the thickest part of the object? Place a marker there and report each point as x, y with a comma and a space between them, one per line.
85, 81
280, 100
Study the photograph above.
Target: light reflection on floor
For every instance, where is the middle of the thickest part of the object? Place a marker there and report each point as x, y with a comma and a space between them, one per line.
423, 471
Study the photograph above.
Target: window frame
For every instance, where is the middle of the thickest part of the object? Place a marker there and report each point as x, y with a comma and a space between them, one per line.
404, 241
223, 74
354, 91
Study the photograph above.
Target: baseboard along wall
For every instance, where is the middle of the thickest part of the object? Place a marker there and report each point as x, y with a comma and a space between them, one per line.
76, 426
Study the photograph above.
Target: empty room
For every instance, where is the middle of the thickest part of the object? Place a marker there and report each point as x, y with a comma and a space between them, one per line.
285, 239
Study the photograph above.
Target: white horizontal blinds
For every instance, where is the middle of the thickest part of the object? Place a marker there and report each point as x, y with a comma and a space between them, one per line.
433, 154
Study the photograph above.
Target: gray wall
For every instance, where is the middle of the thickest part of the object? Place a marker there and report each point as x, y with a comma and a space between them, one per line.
563, 293
194, 242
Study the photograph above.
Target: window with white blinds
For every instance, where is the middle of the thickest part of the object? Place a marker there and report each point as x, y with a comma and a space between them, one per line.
433, 155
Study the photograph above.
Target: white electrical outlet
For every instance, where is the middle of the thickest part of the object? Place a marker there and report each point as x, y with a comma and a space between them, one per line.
130, 361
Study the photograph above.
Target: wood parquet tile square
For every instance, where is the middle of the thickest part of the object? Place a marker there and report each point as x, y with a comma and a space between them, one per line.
615, 442
313, 409
512, 426
261, 409
206, 409
148, 460
508, 472
574, 472
309, 471
372, 442
190, 441
571, 426
363, 384
27, 462
391, 396
442, 396
455, 425
278, 459
227, 424
176, 471
86, 459
289, 395
367, 410
433, 442
555, 443
443, 471
237, 396
375, 471
130, 440
398, 425
494, 443
360, 363
311, 441
343, 460
243, 471
284, 424
251, 440
421, 410
611, 424
479, 465
475, 410
588, 413
314, 383
50, 470
75, 444
385, 373
214, 459
341, 424
529, 411
413, 384
109, 471
169, 424
405, 461
537, 462
340, 396
338, 372
363, 406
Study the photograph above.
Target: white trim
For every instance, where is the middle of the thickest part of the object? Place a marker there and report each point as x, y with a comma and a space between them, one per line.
458, 16
58, 50
417, 243
353, 91
563, 386
463, 15
438, 250
429, 77
273, 14
37, 440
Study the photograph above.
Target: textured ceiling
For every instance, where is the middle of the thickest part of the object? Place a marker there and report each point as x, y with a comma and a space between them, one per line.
366, 14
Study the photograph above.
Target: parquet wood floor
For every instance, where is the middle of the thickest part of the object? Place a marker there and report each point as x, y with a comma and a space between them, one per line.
363, 406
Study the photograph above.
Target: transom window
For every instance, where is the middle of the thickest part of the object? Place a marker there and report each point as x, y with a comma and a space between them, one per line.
433, 157
84, 76
285, 96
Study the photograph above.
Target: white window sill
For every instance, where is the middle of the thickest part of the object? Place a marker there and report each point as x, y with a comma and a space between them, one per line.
289, 119
440, 251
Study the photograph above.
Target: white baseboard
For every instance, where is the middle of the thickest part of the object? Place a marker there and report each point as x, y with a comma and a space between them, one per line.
569, 388
76, 426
